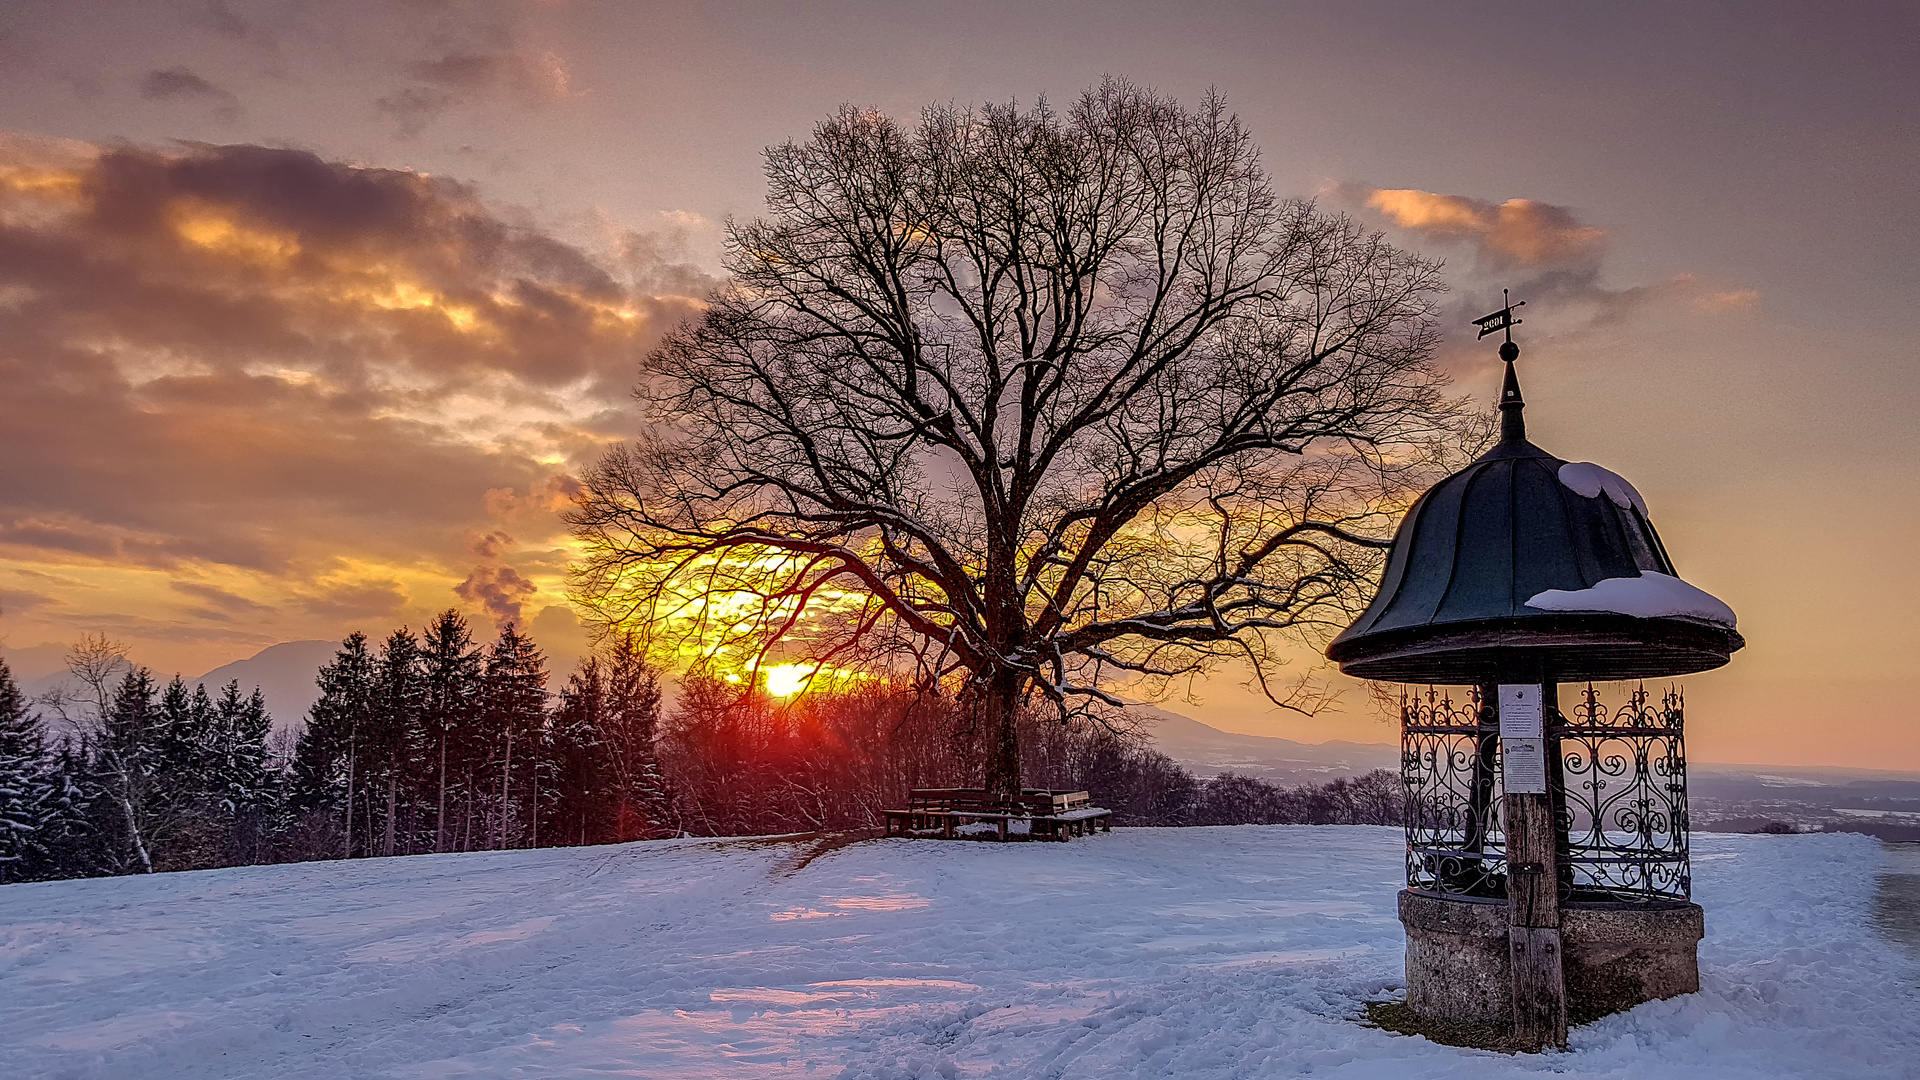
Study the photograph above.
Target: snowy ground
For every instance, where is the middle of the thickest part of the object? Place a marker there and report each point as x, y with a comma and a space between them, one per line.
1152, 952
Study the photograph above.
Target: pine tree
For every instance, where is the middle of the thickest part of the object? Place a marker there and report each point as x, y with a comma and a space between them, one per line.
450, 700
184, 827
28, 802
126, 755
604, 731
515, 717
327, 762
583, 785
629, 731
239, 775
241, 781
393, 735
71, 843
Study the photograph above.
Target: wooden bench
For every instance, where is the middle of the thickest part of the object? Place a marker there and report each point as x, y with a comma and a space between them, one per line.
1050, 815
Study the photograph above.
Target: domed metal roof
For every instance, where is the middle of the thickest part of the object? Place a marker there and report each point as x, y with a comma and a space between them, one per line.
1523, 566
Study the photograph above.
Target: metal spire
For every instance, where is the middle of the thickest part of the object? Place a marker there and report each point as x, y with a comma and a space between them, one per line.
1513, 427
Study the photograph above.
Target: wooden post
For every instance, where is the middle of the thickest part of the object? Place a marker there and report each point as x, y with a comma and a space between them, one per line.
1533, 934
1533, 877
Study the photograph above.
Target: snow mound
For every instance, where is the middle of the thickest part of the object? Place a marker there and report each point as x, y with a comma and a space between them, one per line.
1143, 953
1652, 595
1591, 481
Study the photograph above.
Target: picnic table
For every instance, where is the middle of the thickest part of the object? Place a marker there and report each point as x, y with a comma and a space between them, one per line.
947, 813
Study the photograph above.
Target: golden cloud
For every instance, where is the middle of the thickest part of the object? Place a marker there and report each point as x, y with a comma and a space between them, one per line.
1518, 232
292, 383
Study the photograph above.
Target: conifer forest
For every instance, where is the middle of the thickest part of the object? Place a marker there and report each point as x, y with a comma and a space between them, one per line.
436, 741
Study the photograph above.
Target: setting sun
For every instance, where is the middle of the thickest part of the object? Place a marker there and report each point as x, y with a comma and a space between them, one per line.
786, 680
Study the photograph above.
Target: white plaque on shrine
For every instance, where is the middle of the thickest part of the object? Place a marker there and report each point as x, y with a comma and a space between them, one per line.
1520, 712
1523, 766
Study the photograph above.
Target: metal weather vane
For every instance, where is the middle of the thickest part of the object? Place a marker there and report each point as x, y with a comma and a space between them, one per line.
1500, 320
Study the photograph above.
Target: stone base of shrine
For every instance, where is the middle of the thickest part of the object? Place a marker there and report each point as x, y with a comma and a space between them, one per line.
1614, 956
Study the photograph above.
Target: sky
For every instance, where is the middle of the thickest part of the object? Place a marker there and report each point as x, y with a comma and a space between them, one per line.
310, 313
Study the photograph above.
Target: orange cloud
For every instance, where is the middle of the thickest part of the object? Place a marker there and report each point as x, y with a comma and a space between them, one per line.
292, 383
1733, 300
1542, 252
1518, 232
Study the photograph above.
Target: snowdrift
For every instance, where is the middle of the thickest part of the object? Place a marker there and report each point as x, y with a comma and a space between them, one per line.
1223, 952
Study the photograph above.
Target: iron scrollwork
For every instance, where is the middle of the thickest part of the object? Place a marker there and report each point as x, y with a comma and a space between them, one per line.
1617, 776
1622, 806
1449, 759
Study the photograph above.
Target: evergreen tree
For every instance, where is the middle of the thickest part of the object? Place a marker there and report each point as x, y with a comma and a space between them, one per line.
327, 764
604, 733
450, 700
125, 760
393, 735
72, 848
28, 798
515, 712
183, 734
239, 775
241, 780
581, 782
184, 828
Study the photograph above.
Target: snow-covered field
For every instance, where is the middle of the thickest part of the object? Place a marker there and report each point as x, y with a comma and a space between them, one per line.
1153, 952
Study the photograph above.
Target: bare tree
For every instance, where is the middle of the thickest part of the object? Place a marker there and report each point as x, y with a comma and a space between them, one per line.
97, 666
1023, 402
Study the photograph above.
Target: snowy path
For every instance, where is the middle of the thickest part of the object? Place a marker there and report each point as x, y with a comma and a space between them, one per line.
1179, 952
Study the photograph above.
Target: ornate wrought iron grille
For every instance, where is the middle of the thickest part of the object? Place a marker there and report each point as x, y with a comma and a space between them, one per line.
1618, 778
1449, 758
1622, 793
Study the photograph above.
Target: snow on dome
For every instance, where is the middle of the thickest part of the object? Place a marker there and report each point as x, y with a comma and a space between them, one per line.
1590, 481
1650, 596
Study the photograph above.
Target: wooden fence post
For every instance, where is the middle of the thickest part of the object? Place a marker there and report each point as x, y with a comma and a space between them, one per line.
1533, 877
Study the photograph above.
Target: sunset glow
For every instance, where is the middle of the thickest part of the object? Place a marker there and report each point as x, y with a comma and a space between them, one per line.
786, 680
313, 322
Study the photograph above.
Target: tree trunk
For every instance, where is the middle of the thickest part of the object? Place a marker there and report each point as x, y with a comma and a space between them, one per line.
506, 777
393, 794
133, 830
1000, 713
350, 758
440, 807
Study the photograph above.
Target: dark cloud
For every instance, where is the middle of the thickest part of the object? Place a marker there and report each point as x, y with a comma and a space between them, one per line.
499, 589
551, 497
360, 600
257, 359
18, 602
491, 545
61, 580
183, 84
219, 17
220, 598
128, 626
526, 77
534, 78
414, 107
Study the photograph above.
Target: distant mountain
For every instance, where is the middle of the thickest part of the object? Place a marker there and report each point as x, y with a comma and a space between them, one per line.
1207, 751
34, 661
284, 673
